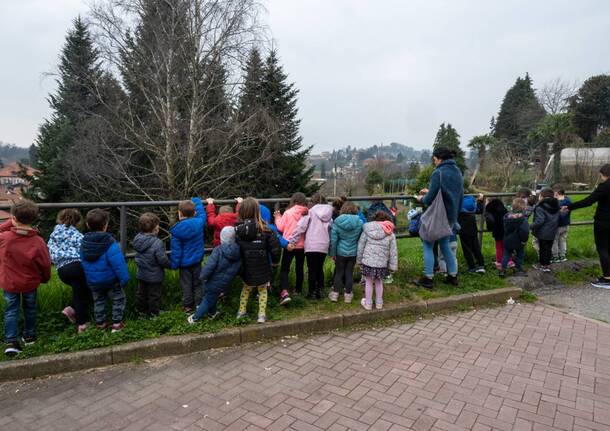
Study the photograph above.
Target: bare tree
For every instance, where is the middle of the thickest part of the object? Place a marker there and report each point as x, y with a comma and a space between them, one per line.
555, 95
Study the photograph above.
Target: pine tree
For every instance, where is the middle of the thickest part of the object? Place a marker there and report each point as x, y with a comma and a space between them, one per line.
448, 137
591, 107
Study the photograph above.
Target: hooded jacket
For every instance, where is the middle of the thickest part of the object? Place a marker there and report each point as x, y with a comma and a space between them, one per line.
221, 267
601, 195
24, 259
449, 180
377, 246
315, 226
103, 260
258, 248
151, 258
516, 231
564, 217
188, 238
344, 235
546, 219
494, 218
219, 221
287, 223
64, 245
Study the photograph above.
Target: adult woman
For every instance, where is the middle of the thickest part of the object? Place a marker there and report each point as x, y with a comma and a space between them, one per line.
446, 178
601, 224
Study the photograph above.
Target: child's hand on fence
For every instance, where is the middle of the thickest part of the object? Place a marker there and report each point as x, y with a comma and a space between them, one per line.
209, 201
239, 200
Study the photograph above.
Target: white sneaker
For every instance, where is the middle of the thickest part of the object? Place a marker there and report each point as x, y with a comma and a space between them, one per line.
241, 315
191, 319
333, 296
366, 306
348, 298
379, 306
261, 318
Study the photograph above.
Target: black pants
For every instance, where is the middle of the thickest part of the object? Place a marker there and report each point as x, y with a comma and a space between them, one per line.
299, 256
148, 297
546, 251
472, 251
73, 275
315, 272
191, 285
602, 243
344, 273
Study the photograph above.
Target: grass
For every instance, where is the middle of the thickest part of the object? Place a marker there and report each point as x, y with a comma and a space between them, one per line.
56, 335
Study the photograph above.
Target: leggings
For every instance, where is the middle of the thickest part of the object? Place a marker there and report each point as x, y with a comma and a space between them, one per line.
299, 256
315, 271
344, 273
73, 275
368, 290
472, 251
546, 251
602, 244
262, 298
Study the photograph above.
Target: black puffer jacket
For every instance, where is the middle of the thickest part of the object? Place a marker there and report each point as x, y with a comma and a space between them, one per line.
494, 218
546, 219
516, 231
601, 195
256, 248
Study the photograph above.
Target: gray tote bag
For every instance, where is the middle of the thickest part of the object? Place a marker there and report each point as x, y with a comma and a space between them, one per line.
434, 223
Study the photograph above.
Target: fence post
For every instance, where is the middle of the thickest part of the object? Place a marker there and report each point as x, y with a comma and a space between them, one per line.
123, 228
482, 226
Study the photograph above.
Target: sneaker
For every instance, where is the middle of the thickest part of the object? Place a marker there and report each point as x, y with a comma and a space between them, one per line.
348, 297
12, 348
379, 305
520, 274
117, 327
188, 310
472, 270
191, 319
317, 295
261, 318
69, 313
480, 270
562, 259
502, 273
511, 264
101, 326
28, 341
425, 282
366, 306
284, 297
213, 316
555, 260
498, 265
602, 283
333, 296
389, 279
241, 315
541, 268
82, 328
451, 280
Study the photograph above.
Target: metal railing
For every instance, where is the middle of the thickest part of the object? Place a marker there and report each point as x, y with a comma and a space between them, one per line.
123, 206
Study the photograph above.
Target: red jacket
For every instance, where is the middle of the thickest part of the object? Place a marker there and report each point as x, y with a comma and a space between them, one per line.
219, 221
24, 259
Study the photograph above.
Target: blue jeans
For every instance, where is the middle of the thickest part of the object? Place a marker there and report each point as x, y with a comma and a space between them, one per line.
208, 304
445, 248
11, 315
519, 253
100, 295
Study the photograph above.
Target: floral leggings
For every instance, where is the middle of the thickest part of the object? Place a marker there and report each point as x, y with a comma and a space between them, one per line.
262, 298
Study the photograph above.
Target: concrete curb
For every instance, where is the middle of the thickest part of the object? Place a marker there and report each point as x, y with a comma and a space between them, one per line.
183, 344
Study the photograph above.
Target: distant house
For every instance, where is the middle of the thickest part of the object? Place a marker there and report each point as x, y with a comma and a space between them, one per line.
9, 175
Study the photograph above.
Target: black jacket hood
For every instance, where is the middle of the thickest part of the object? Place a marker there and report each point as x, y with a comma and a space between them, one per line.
550, 205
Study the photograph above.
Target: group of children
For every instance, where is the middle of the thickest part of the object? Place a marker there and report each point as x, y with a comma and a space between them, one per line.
247, 242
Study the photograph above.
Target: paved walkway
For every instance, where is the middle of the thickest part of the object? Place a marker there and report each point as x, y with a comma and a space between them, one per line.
519, 367
582, 299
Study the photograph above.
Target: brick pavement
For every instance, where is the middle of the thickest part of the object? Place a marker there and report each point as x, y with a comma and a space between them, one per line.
522, 367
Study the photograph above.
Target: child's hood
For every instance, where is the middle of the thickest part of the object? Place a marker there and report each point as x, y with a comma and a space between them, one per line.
323, 212
143, 242
64, 233
95, 244
348, 222
550, 205
296, 212
231, 251
375, 230
265, 214
187, 228
247, 231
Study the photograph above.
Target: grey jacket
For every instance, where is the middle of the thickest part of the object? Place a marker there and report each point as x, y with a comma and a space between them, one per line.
377, 247
150, 258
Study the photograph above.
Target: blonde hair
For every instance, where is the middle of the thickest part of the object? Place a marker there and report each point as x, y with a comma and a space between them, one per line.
518, 204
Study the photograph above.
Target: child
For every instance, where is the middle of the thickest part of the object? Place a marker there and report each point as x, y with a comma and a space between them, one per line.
442, 264
217, 274
151, 260
469, 234
257, 243
266, 217
560, 245
187, 250
494, 218
24, 265
64, 245
315, 226
105, 270
516, 232
344, 249
377, 254
226, 217
286, 224
544, 227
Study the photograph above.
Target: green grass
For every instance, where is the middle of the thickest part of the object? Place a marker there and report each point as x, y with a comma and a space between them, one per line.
56, 335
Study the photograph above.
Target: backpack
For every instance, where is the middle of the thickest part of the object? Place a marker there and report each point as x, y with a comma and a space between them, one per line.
379, 206
414, 224
469, 204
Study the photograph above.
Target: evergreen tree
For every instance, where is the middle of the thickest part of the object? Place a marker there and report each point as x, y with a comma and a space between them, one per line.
519, 113
591, 107
448, 137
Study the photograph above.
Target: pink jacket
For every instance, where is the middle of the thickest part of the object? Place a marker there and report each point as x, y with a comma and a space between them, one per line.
315, 226
287, 223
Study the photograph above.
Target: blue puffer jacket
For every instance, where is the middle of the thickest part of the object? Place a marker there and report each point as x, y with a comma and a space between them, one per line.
266, 217
344, 235
103, 260
452, 187
221, 267
187, 242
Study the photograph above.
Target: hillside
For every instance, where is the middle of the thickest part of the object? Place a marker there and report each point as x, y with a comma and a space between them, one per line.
12, 153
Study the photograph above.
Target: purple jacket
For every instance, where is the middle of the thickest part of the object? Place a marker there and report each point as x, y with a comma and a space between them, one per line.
316, 227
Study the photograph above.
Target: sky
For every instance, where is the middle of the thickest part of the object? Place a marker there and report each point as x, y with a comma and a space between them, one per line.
369, 71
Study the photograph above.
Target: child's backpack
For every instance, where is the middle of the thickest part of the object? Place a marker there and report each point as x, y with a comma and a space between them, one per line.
376, 207
414, 223
469, 204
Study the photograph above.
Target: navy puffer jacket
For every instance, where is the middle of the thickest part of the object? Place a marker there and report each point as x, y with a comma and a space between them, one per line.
221, 267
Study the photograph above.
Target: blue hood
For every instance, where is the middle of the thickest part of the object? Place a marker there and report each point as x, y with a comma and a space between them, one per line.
347, 221
95, 244
231, 251
265, 214
187, 228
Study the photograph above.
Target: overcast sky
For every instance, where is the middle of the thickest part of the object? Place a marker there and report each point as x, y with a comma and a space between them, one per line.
369, 71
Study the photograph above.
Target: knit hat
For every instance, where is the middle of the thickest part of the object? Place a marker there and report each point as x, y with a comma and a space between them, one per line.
227, 235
